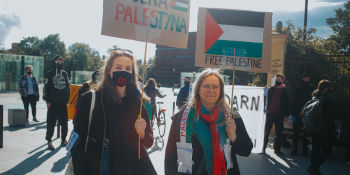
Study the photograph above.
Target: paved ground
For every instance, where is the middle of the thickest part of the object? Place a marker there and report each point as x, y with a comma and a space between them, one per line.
25, 150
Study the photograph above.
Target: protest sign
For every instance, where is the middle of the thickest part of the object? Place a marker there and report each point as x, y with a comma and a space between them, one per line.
234, 39
163, 22
250, 103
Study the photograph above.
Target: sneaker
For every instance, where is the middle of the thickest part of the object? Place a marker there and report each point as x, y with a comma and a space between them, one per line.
64, 143
50, 146
35, 120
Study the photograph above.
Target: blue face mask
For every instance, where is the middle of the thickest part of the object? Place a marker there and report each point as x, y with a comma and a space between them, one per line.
121, 78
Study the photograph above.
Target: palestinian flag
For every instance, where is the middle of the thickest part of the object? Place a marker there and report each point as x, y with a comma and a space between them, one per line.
180, 5
229, 29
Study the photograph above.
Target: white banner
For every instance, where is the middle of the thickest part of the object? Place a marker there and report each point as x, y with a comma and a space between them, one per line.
249, 101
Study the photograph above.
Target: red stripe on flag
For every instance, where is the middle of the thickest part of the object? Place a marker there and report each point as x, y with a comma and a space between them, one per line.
212, 31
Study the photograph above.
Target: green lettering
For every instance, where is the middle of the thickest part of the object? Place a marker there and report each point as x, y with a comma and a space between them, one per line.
183, 25
161, 13
163, 2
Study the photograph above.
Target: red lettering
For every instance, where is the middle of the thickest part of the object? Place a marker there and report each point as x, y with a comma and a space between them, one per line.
128, 13
182, 134
153, 13
119, 11
135, 16
145, 17
183, 128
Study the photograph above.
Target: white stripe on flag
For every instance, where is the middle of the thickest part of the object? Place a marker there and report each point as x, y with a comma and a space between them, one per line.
242, 33
183, 5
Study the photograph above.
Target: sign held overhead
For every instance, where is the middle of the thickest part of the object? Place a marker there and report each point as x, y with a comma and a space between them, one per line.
163, 22
234, 39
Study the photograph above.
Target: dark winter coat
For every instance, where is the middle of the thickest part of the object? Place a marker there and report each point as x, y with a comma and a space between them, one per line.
182, 97
122, 135
23, 87
301, 94
56, 89
328, 109
284, 103
242, 146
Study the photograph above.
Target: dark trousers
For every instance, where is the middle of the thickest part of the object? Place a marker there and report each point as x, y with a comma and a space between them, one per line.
322, 145
278, 121
54, 113
299, 134
30, 99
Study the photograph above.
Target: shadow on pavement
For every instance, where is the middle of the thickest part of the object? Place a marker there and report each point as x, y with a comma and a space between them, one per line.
59, 165
36, 126
32, 162
41, 146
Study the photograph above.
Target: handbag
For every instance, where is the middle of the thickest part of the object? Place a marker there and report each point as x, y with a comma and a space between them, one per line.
70, 168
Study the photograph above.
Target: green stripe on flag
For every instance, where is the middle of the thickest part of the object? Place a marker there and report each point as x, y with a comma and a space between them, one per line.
179, 8
243, 49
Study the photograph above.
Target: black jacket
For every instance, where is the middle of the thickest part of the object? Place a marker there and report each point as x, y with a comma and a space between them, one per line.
122, 134
56, 89
182, 97
242, 146
284, 103
301, 94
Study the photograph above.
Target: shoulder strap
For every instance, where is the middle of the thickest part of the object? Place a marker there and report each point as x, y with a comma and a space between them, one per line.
92, 106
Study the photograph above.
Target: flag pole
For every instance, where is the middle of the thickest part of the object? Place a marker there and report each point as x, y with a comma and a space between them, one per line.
143, 83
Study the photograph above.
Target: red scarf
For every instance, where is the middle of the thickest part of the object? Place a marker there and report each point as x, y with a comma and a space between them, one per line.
219, 165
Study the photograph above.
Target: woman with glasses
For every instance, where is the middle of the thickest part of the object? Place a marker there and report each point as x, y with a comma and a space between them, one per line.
205, 136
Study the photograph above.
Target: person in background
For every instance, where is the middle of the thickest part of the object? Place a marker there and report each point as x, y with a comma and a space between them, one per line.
210, 135
182, 97
90, 84
29, 90
277, 109
322, 141
152, 92
56, 95
109, 144
301, 95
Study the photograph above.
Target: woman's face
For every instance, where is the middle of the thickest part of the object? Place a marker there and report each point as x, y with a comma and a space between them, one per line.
121, 63
209, 90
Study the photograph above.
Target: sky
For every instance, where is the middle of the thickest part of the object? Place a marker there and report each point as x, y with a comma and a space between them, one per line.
81, 20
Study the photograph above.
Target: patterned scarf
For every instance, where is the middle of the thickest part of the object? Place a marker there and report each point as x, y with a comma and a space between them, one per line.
218, 155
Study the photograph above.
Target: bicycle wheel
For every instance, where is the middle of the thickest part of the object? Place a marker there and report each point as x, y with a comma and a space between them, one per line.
161, 123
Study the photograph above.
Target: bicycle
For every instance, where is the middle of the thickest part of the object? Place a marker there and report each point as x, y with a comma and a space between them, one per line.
160, 120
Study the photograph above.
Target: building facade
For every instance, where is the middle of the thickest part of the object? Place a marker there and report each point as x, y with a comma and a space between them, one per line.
12, 67
171, 62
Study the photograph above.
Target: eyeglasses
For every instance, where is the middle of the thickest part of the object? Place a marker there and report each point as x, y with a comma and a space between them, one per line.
207, 87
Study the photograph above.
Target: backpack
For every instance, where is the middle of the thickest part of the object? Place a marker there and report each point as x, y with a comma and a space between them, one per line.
313, 119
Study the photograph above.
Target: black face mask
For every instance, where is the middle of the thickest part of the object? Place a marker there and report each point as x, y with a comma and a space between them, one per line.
278, 83
59, 65
29, 73
121, 78
187, 83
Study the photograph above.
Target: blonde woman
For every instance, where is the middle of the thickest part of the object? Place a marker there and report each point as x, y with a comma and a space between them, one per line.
112, 147
200, 133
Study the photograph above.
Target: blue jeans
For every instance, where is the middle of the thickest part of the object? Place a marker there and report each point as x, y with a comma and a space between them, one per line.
105, 161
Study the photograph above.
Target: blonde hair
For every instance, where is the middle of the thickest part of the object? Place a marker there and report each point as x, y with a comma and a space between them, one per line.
106, 80
221, 103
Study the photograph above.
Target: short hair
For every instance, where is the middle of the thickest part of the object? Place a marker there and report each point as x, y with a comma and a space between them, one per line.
281, 76
27, 67
58, 57
188, 77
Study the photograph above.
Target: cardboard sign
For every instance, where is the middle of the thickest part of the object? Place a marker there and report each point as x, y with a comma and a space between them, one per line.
163, 22
234, 39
